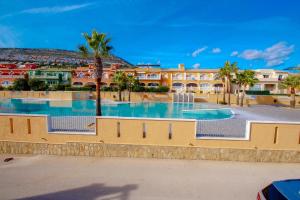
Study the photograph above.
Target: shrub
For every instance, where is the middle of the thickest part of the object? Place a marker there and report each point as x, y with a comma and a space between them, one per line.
1, 88
109, 89
61, 87
37, 85
86, 88
21, 84
255, 92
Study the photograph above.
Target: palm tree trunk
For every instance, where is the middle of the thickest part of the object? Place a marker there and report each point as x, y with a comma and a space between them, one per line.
243, 96
120, 94
99, 71
293, 98
238, 96
224, 92
129, 92
228, 90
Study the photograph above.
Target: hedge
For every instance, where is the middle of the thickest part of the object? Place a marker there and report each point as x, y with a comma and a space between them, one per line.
257, 92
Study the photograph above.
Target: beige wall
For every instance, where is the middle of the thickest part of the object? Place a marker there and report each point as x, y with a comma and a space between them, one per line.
144, 96
269, 100
261, 136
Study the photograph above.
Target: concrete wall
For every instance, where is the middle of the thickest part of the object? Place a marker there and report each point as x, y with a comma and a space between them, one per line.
271, 100
143, 96
148, 151
263, 136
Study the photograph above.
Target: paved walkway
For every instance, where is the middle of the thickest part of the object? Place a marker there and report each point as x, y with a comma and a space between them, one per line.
236, 126
92, 178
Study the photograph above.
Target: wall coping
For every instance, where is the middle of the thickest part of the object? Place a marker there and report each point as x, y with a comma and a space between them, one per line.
145, 118
25, 115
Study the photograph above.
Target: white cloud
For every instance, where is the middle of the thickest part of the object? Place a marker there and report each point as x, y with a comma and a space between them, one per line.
196, 66
198, 51
216, 50
234, 53
48, 10
7, 37
273, 56
55, 9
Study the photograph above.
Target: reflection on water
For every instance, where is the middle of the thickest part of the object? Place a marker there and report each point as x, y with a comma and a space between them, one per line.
87, 108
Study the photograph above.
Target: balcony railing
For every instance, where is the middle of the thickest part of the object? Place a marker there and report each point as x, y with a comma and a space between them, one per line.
192, 78
158, 77
177, 78
269, 79
11, 76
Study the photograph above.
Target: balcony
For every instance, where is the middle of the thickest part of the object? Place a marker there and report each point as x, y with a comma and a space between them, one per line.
44, 77
269, 79
149, 77
11, 76
192, 78
176, 78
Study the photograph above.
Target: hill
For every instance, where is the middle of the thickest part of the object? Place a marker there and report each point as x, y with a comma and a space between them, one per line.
52, 57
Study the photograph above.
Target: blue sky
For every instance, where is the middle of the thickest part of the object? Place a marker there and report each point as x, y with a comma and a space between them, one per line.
200, 34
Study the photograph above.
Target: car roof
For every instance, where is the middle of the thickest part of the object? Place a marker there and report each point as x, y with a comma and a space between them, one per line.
289, 188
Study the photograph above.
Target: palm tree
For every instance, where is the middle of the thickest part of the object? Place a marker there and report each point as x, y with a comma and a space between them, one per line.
98, 43
222, 75
248, 79
239, 78
131, 81
120, 79
291, 82
226, 75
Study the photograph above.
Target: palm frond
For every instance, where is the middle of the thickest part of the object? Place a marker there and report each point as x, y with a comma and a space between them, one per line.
83, 50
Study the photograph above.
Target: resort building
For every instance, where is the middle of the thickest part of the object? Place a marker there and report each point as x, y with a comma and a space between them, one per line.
269, 79
51, 76
10, 72
85, 76
179, 79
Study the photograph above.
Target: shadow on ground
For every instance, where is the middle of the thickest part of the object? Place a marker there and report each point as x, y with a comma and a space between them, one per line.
90, 192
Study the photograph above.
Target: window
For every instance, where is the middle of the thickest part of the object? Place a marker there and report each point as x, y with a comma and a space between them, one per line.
266, 76
280, 77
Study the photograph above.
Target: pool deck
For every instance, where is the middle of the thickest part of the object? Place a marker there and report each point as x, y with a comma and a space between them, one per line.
236, 126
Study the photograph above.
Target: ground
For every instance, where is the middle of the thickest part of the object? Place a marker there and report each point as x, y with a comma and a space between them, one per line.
53, 177
236, 126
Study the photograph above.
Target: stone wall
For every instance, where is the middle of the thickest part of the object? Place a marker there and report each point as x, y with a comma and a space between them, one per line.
147, 151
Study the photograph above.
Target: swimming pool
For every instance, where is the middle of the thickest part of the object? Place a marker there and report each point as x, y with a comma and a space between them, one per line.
87, 108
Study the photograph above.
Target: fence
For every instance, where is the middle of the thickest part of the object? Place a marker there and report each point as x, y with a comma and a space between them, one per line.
72, 124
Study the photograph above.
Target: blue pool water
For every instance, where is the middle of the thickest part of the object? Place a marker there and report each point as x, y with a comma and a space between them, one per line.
87, 108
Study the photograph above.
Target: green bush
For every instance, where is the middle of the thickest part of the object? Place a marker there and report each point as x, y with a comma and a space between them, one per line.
86, 88
61, 87
1, 88
21, 84
255, 92
157, 89
109, 89
37, 85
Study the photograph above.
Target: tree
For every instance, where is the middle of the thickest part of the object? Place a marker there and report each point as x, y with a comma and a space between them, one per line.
292, 82
131, 82
37, 85
120, 80
228, 69
248, 79
238, 80
222, 74
98, 43
21, 84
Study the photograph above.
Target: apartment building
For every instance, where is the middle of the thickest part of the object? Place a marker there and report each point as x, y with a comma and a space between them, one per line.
51, 76
179, 79
10, 72
269, 79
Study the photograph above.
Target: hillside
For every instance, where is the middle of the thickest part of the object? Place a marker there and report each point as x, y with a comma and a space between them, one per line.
51, 57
